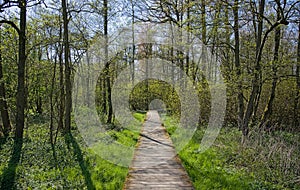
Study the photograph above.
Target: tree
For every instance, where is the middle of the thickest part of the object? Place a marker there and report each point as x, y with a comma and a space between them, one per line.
68, 84
61, 81
107, 63
268, 110
3, 103
238, 67
21, 96
257, 72
133, 40
203, 21
297, 106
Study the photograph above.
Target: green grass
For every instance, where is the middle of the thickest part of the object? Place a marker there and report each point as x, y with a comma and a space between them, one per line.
229, 165
268, 161
139, 116
74, 165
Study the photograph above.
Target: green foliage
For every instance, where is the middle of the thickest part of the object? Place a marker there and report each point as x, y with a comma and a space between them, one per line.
170, 123
229, 165
139, 116
142, 95
70, 165
268, 159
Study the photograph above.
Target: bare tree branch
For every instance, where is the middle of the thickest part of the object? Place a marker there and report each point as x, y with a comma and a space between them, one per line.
11, 24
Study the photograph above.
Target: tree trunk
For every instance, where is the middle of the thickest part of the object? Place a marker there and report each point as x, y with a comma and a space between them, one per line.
51, 103
257, 98
3, 103
68, 84
103, 90
61, 84
21, 97
133, 44
215, 42
39, 105
38, 97
187, 65
238, 68
268, 110
227, 54
107, 64
257, 77
203, 22
257, 70
297, 106
171, 55
87, 80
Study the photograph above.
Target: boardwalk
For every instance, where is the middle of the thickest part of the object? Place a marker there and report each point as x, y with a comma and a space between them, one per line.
155, 164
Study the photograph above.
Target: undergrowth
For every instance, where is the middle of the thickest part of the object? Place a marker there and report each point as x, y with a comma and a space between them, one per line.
265, 161
70, 165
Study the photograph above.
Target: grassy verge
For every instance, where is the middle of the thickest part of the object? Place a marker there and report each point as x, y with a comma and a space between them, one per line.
266, 161
70, 165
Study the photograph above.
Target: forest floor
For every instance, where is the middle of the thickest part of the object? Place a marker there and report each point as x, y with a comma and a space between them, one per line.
73, 166
265, 161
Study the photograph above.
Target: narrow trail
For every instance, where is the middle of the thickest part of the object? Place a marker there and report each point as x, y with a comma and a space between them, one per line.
155, 164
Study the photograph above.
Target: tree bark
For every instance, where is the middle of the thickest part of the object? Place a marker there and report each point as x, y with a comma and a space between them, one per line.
3, 103
297, 106
215, 42
256, 81
103, 89
68, 106
107, 64
268, 110
61, 83
133, 44
87, 80
203, 22
227, 54
187, 65
21, 96
240, 96
257, 69
38, 97
51, 103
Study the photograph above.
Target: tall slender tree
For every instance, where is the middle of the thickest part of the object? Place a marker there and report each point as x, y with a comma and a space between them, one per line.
61, 81
261, 38
203, 21
68, 84
269, 107
21, 96
133, 41
240, 96
297, 106
3, 103
107, 63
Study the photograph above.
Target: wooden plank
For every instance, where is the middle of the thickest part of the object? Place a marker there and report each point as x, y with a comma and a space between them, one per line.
155, 164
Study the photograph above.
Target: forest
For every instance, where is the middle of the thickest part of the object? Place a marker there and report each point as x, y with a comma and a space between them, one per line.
78, 77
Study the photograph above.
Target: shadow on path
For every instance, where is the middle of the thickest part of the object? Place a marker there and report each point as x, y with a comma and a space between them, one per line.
154, 140
9, 173
82, 163
153, 166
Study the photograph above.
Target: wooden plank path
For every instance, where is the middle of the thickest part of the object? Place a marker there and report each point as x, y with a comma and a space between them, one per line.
155, 164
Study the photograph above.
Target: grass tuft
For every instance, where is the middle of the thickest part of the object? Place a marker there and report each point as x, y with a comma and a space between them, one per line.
266, 161
74, 166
